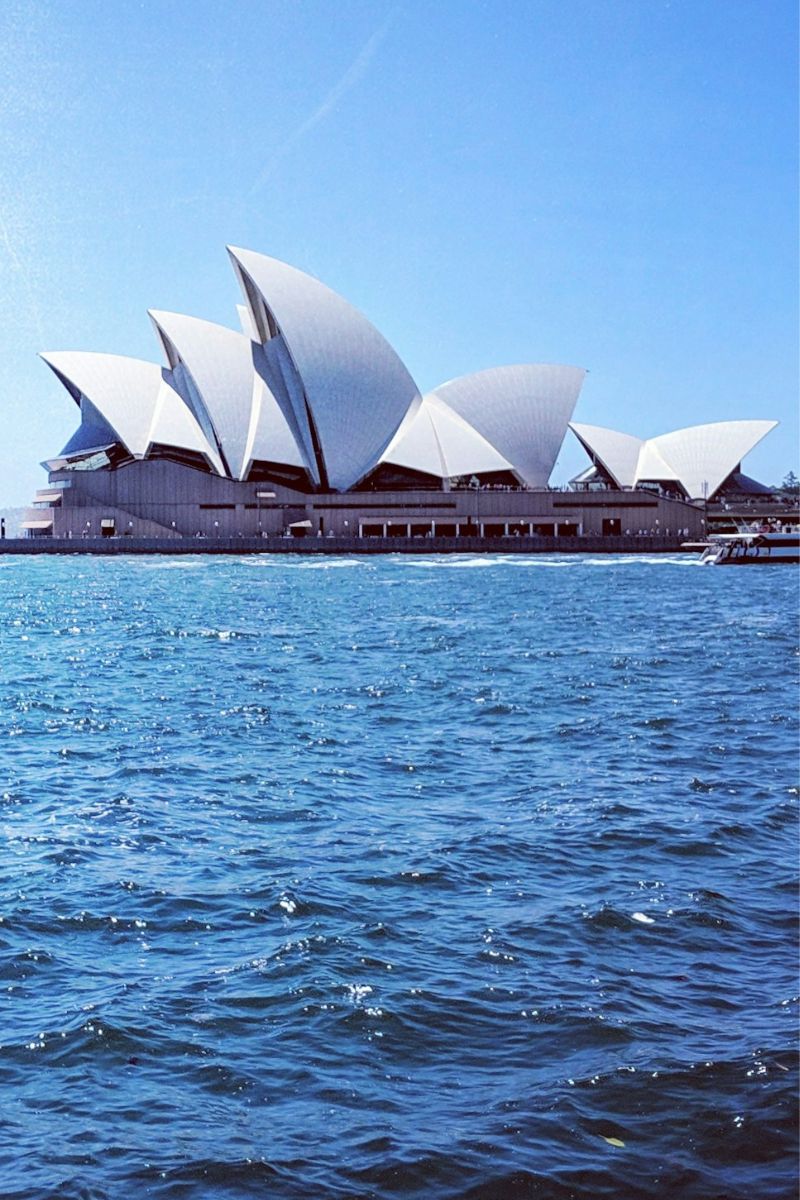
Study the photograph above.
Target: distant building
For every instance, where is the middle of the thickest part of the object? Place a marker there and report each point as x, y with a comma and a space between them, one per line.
307, 422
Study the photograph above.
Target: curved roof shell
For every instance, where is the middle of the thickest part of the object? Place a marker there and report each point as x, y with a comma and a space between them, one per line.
439, 442
700, 458
617, 452
231, 402
703, 456
652, 465
134, 398
94, 433
346, 388
269, 438
220, 388
522, 411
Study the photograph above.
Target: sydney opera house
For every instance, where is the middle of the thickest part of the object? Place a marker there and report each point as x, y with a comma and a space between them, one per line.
307, 423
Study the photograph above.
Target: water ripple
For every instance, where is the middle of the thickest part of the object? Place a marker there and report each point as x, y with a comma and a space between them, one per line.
457, 878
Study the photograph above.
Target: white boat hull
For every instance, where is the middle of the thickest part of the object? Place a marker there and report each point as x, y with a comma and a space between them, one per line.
752, 550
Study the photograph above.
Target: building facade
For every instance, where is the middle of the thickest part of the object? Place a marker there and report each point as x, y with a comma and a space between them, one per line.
307, 423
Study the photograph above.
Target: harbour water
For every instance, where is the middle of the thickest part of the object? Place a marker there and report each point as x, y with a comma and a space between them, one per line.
438, 877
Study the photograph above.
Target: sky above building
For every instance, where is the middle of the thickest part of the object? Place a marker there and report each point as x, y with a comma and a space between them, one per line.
604, 183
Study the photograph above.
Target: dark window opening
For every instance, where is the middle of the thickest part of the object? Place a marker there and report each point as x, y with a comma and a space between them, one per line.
390, 478
118, 457
186, 458
272, 472
501, 480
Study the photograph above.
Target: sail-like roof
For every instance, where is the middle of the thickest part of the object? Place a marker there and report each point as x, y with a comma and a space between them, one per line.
522, 411
94, 433
653, 466
231, 402
220, 390
439, 442
269, 438
617, 452
134, 398
345, 391
703, 456
699, 458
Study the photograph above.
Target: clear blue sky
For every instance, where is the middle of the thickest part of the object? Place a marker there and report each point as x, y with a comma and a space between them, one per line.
609, 183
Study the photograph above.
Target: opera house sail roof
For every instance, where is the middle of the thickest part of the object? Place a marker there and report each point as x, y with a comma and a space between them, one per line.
346, 389
697, 460
522, 411
136, 402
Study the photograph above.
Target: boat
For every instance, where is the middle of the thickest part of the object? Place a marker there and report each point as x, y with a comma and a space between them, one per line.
757, 547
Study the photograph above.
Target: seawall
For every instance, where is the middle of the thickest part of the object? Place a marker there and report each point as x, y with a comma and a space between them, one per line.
346, 545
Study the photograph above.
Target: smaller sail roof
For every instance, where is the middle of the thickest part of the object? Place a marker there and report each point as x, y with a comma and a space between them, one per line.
439, 442
122, 390
219, 361
134, 398
617, 452
700, 458
703, 456
653, 466
521, 410
269, 438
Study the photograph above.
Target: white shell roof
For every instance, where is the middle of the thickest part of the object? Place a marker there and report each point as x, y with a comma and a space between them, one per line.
651, 464
246, 322
700, 457
522, 411
439, 442
274, 365
269, 438
134, 398
618, 452
703, 456
244, 416
357, 389
220, 363
94, 432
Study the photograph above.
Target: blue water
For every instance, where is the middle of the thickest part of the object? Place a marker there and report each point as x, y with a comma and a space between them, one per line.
397, 877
